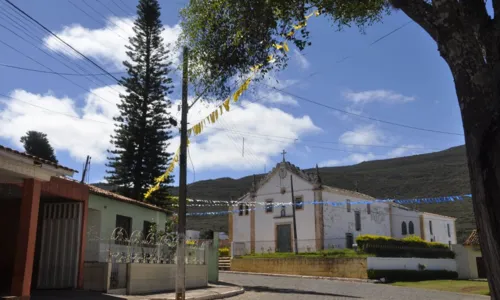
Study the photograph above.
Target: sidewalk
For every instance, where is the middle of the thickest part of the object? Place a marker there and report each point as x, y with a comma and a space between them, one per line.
213, 291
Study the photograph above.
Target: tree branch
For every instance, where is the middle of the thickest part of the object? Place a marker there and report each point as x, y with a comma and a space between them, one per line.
419, 11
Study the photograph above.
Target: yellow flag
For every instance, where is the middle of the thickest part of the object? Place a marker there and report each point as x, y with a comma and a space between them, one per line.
189, 131
226, 104
285, 47
300, 25
291, 33
277, 46
212, 116
317, 13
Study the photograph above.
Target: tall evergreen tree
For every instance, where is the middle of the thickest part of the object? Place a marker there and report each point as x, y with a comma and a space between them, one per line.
142, 129
37, 144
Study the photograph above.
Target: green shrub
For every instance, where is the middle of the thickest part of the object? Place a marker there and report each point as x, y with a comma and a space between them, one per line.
411, 275
333, 253
411, 246
224, 252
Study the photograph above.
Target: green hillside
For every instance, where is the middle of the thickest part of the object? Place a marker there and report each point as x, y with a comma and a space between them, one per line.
428, 175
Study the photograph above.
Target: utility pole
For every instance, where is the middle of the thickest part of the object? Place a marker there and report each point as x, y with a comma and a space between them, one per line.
85, 167
294, 219
180, 283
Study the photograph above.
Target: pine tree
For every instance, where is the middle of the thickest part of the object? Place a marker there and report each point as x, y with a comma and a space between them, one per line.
142, 129
37, 144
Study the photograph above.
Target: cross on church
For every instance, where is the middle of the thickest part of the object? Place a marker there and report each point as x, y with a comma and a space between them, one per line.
283, 153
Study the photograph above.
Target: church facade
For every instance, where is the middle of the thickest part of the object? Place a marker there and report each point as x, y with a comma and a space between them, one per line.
326, 217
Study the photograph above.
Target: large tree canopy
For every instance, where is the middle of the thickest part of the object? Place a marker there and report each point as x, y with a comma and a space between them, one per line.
229, 37
37, 144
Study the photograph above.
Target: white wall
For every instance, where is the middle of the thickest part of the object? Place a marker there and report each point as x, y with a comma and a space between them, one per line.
338, 221
407, 263
466, 261
241, 226
192, 235
400, 215
151, 278
265, 222
439, 229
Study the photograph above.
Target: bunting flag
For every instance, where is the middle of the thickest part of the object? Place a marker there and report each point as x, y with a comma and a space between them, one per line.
253, 206
225, 106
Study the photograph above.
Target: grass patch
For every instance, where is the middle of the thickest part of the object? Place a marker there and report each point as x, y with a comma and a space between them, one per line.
456, 286
339, 253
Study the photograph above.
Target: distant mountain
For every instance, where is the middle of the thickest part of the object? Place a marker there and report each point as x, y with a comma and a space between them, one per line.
435, 174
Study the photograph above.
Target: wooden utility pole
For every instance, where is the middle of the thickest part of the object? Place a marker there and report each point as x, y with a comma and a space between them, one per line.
180, 283
85, 168
294, 219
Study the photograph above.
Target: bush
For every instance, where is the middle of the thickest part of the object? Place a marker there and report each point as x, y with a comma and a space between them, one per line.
224, 252
332, 253
411, 275
411, 246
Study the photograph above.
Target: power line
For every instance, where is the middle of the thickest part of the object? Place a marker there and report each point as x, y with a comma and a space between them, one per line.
61, 40
55, 73
359, 115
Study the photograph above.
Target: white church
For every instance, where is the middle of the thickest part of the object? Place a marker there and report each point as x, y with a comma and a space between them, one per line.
326, 217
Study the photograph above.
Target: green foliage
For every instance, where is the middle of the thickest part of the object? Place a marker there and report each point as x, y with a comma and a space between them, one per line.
411, 275
224, 252
143, 129
339, 253
226, 37
412, 246
37, 144
427, 175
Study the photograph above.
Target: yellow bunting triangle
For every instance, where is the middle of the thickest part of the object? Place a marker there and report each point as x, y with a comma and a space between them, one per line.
285, 47
277, 46
226, 104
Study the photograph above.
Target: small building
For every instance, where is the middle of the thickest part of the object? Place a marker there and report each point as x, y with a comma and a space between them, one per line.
326, 217
470, 264
109, 212
43, 216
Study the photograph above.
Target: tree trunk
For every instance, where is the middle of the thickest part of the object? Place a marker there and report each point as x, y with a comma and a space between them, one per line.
480, 106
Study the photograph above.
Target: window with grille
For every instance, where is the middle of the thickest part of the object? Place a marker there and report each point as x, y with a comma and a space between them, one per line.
124, 223
430, 227
299, 202
349, 240
411, 228
240, 210
368, 208
404, 229
357, 220
269, 206
247, 210
449, 231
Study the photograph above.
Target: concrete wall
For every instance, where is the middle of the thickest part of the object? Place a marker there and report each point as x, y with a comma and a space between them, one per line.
439, 229
410, 263
465, 258
96, 276
400, 215
327, 267
153, 278
338, 221
241, 226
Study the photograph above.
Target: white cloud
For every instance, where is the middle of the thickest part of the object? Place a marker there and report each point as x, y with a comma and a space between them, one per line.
218, 147
363, 135
301, 59
384, 96
273, 96
72, 132
107, 44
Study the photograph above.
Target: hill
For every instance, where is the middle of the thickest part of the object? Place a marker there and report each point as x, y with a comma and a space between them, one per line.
435, 174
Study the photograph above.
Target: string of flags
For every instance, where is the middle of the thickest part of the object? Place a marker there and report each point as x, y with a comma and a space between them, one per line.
225, 106
253, 205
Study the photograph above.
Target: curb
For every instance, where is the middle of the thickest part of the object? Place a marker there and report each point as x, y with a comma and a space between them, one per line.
220, 296
303, 276
239, 291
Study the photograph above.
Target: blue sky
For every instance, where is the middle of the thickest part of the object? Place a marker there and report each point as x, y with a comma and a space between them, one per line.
400, 79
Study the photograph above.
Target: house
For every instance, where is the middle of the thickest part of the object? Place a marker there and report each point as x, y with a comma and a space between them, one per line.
469, 259
109, 212
326, 217
43, 216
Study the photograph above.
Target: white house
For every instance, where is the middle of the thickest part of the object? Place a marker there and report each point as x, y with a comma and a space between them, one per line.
326, 217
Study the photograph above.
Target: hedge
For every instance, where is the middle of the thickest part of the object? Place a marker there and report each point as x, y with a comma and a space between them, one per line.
412, 246
224, 252
411, 275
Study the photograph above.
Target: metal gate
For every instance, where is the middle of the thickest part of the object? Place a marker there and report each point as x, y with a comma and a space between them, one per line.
60, 245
